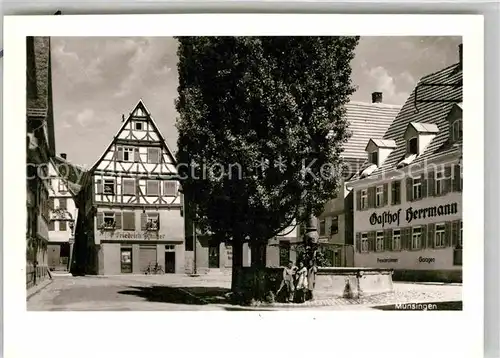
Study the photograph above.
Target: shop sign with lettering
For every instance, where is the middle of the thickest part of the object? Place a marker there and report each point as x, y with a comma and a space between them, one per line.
389, 217
132, 235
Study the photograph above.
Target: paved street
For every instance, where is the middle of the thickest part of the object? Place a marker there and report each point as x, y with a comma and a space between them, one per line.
180, 292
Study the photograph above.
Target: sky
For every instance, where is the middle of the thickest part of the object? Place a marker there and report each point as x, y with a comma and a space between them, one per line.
97, 79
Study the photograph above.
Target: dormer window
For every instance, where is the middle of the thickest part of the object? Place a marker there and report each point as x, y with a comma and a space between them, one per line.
456, 130
412, 146
373, 158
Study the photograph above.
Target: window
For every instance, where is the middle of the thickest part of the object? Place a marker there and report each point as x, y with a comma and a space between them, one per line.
128, 186
334, 229
129, 220
153, 155
439, 236
152, 221
413, 146
284, 253
379, 196
62, 225
364, 242
322, 227
138, 126
456, 130
460, 237
396, 240
152, 187
396, 193
63, 203
364, 199
417, 188
440, 181
109, 219
380, 241
128, 154
170, 248
51, 225
170, 188
416, 238
373, 158
109, 186
61, 186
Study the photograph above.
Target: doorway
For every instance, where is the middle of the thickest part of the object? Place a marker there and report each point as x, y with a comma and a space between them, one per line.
169, 258
214, 255
126, 260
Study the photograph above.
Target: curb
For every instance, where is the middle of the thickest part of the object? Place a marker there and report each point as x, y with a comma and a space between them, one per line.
38, 288
430, 283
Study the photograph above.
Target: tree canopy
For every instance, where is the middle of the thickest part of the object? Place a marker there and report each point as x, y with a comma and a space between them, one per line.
261, 129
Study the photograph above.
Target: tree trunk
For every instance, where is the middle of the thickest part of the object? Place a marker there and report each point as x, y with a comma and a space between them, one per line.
258, 254
237, 264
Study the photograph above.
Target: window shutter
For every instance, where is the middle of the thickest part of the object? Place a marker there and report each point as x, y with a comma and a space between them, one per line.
409, 189
51, 203
100, 186
119, 153
136, 155
386, 194
431, 229
447, 234
456, 178
144, 219
424, 185
118, 220
403, 238
447, 180
388, 240
128, 220
373, 235
100, 219
51, 225
358, 200
358, 242
455, 233
137, 188
431, 179
423, 238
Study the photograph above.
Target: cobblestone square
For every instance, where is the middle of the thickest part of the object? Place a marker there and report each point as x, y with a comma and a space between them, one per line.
184, 293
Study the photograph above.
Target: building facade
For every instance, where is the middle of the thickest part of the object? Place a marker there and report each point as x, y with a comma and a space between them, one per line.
63, 215
408, 212
131, 204
40, 147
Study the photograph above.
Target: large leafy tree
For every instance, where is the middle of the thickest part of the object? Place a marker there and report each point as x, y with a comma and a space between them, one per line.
261, 130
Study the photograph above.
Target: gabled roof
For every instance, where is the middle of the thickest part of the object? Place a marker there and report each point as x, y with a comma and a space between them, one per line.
382, 143
74, 175
424, 127
366, 121
139, 111
431, 112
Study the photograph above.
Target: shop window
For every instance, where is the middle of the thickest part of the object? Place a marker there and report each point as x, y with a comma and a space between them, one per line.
364, 199
364, 242
417, 188
379, 196
439, 238
416, 238
396, 240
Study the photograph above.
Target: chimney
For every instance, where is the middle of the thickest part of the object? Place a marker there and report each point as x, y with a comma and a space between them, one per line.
460, 54
64, 155
377, 97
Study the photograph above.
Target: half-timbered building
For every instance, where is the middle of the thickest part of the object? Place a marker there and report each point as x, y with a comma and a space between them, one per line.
132, 203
